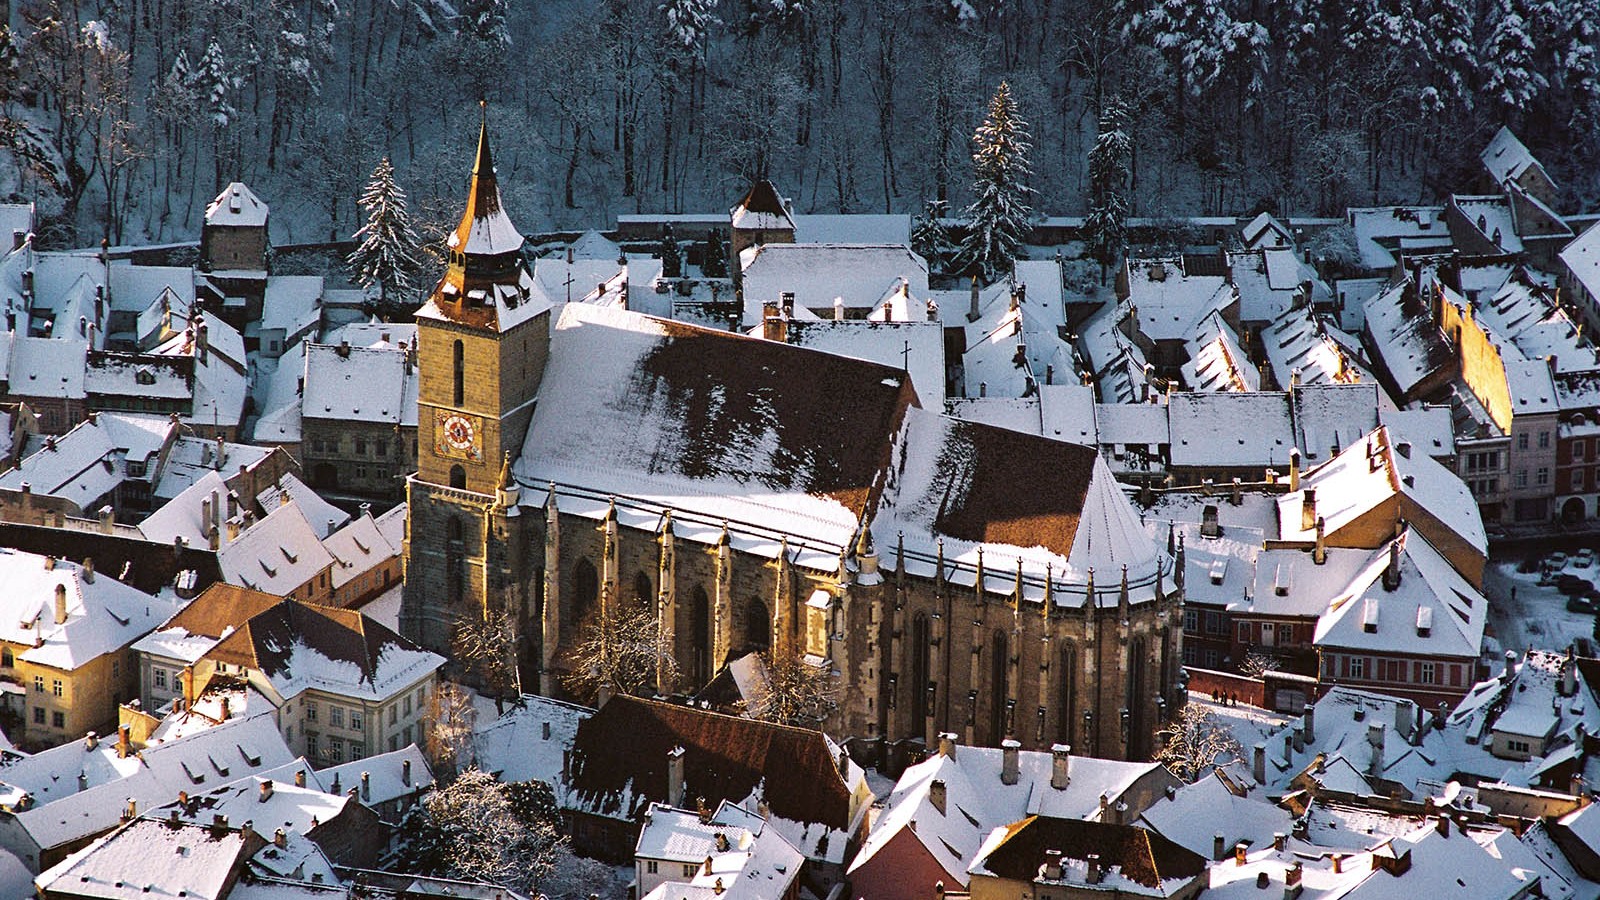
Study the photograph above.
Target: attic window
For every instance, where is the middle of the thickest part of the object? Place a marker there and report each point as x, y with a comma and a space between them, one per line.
289, 556
144, 376
1424, 621
1280, 582
1219, 570
1369, 616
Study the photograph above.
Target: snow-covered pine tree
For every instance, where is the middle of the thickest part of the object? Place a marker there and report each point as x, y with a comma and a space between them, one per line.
997, 220
1105, 229
389, 253
1511, 76
688, 24
929, 236
715, 264
215, 84
671, 259
485, 21
9, 62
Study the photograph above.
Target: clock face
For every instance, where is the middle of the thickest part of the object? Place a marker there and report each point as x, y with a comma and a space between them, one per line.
457, 435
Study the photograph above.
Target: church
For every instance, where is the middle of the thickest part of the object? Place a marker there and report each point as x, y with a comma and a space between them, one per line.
760, 496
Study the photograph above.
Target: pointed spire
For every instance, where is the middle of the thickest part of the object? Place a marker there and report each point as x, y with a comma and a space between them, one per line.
1049, 587
485, 229
550, 498
505, 473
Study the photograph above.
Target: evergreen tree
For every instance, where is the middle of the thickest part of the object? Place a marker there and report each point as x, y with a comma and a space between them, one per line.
671, 259
1512, 77
998, 217
715, 264
929, 236
389, 254
9, 68
688, 24
1105, 229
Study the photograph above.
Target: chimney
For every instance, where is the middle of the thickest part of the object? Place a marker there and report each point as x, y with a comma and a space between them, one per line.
201, 344
1308, 717
280, 839
223, 714
18, 238
124, 741
1443, 825
1241, 853
1095, 875
786, 304
1291, 881
300, 778
1404, 720
1280, 841
675, 777
1319, 552
266, 790
344, 350
947, 744
1298, 735
1391, 572
936, 794
1052, 865
972, 311
1060, 766
1377, 732
1308, 509
838, 309
366, 786
88, 569
774, 326
1219, 846
90, 740
1258, 764
1294, 469
405, 772
61, 603
233, 530
722, 842
1209, 525
1009, 751
132, 812
1338, 864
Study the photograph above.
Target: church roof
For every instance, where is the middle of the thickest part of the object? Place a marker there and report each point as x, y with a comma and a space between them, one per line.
237, 206
485, 228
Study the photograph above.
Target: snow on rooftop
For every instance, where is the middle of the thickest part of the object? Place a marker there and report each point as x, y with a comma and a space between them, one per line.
88, 463
1217, 362
818, 273
237, 207
915, 346
1506, 157
359, 384
1171, 303
279, 554
1200, 436
515, 746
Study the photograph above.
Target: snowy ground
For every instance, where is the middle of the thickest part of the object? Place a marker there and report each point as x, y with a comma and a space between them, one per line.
1248, 724
1534, 615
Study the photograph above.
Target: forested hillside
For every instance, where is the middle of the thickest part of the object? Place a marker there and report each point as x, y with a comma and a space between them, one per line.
123, 116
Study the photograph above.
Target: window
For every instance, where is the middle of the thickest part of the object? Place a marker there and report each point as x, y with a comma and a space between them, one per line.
650, 867
38, 684
38, 715
311, 711
1214, 623
355, 720
336, 749
406, 704
357, 750
1191, 621
422, 696
335, 716
6, 660
1576, 483
288, 733
1285, 634
394, 742
1517, 746
1579, 448
361, 446
1425, 672
1190, 656
1541, 476
459, 364
1209, 658
1244, 632
1544, 440
311, 743
689, 869
58, 719
392, 716
1358, 667
160, 676
56, 687
458, 478
405, 734
1522, 439
382, 448
316, 445
1522, 478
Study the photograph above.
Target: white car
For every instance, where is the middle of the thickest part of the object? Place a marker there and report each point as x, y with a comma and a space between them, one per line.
1584, 558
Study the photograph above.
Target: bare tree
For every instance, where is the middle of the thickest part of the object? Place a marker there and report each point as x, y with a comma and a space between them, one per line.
487, 647
619, 652
475, 830
1256, 663
793, 691
1194, 742
452, 720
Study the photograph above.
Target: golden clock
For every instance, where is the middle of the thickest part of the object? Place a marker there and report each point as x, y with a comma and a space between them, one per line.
457, 435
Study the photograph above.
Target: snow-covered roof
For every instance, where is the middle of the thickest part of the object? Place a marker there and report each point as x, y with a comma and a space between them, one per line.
1506, 157
325, 518
978, 801
101, 614
1432, 612
516, 747
1407, 341
1331, 416
1582, 258
47, 367
292, 304
15, 217
762, 209
359, 384
61, 812
279, 554
916, 346
1200, 436
1171, 303
88, 463
1216, 361
1382, 231
219, 611
237, 207
1197, 813
373, 335
153, 858
1266, 231
358, 548
382, 778
1491, 219
816, 274
1299, 347
1014, 346
1426, 427
191, 457
298, 646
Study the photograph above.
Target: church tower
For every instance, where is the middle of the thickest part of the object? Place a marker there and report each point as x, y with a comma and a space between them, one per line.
482, 339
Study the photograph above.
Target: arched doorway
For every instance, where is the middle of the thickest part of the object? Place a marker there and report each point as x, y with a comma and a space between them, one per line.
458, 478
1572, 511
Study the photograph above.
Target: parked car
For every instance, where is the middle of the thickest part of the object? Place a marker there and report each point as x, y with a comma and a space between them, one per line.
1555, 561
1584, 558
1572, 585
1580, 604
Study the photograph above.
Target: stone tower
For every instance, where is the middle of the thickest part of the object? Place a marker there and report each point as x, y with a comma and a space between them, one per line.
482, 339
